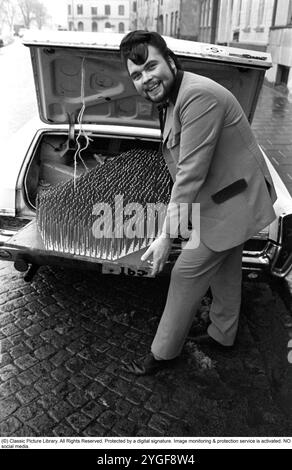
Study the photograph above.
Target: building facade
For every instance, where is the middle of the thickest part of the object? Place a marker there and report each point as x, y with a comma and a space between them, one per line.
280, 46
133, 15
176, 18
264, 25
225, 26
170, 17
209, 12
189, 20
245, 23
103, 15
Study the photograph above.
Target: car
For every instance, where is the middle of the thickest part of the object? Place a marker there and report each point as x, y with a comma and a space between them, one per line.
5, 39
22, 32
84, 92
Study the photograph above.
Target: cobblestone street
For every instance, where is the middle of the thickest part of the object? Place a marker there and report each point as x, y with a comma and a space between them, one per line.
65, 335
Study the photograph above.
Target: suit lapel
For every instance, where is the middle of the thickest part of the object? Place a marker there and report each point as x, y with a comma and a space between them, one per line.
174, 98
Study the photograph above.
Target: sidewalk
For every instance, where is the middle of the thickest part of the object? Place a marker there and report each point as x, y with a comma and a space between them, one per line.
272, 125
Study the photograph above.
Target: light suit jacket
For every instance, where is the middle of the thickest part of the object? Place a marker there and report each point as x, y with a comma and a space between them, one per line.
214, 160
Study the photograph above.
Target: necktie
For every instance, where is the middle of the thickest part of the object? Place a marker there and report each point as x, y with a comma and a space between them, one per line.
162, 110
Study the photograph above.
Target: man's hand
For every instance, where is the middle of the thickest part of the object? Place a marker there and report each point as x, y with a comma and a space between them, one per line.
160, 249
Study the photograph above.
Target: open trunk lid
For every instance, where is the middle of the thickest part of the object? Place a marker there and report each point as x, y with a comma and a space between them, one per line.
75, 70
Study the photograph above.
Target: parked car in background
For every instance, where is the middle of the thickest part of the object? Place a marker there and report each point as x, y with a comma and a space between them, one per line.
22, 32
6, 39
116, 119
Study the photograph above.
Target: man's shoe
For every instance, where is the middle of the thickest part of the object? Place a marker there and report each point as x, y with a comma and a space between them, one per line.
146, 365
206, 340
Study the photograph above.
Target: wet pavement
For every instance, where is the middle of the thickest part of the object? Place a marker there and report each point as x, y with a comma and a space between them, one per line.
65, 336
272, 125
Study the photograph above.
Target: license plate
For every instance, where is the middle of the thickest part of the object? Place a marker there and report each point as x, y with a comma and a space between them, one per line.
108, 268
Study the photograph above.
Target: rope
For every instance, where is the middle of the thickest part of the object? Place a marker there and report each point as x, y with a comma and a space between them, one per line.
81, 130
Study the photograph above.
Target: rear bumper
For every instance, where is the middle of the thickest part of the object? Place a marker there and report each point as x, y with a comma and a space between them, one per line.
252, 262
271, 260
25, 249
23, 253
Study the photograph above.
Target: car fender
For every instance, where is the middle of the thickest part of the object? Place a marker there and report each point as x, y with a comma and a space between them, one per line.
283, 204
13, 153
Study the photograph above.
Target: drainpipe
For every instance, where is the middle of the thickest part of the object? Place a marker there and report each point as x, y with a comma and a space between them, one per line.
179, 19
214, 21
274, 12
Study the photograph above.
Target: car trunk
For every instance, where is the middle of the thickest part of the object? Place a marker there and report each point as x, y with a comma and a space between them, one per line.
51, 164
53, 160
82, 87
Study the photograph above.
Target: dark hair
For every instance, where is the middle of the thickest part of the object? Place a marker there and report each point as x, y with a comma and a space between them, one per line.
134, 46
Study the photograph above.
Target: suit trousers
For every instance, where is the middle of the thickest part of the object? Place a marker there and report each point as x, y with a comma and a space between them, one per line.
193, 273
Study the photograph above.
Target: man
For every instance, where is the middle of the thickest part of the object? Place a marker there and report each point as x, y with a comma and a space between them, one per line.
215, 161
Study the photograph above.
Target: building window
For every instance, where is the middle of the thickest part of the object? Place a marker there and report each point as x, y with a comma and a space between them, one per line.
121, 10
176, 23
107, 9
80, 26
171, 24
121, 28
160, 24
134, 7
69, 10
248, 13
201, 16
289, 20
94, 26
261, 12
166, 24
207, 5
93, 11
71, 26
209, 13
107, 25
239, 13
80, 10
205, 13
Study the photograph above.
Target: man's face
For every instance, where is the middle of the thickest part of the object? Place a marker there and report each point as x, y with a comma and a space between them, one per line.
154, 79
